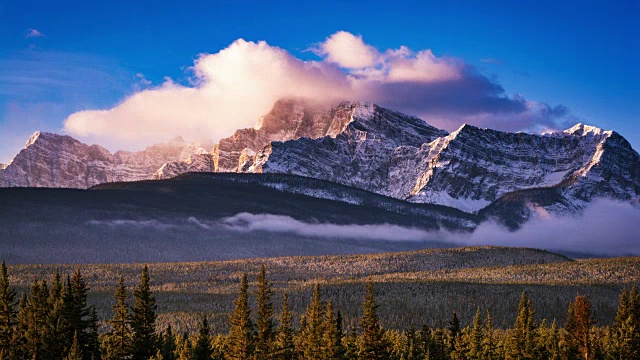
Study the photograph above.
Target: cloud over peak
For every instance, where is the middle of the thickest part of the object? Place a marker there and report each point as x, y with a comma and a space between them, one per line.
347, 51
232, 88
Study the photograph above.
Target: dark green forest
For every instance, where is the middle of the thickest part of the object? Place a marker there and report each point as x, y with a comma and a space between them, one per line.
55, 321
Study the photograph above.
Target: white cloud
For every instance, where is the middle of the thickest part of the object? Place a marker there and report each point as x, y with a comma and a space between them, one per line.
232, 88
33, 33
606, 228
423, 67
348, 51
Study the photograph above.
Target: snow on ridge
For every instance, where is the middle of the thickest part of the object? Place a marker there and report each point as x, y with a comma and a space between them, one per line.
443, 198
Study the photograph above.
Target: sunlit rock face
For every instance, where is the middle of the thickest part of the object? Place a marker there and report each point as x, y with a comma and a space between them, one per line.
50, 160
402, 157
371, 148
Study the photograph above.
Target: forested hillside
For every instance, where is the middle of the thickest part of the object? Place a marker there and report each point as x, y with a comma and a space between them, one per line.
57, 319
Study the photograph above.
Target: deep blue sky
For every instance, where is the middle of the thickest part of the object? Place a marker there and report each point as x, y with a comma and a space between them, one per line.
581, 54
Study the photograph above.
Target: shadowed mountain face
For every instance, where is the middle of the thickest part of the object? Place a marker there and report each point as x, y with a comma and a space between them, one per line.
202, 216
374, 149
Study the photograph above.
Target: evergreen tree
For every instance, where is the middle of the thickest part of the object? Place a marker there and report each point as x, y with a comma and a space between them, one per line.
312, 328
185, 349
202, 349
475, 337
81, 312
351, 345
117, 343
19, 339
8, 313
461, 345
75, 353
93, 336
578, 327
37, 312
54, 340
553, 347
413, 351
168, 345
454, 329
521, 342
143, 322
373, 344
219, 347
284, 343
241, 334
332, 335
438, 347
543, 338
629, 338
488, 344
265, 336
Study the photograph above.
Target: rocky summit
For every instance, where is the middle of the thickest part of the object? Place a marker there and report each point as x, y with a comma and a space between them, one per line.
367, 147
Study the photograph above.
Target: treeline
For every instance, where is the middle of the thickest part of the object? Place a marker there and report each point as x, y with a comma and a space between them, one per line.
54, 321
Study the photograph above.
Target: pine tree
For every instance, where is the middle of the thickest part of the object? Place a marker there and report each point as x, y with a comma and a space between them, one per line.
438, 348
8, 313
143, 322
185, 351
168, 345
241, 334
632, 325
553, 347
522, 336
461, 347
37, 312
541, 347
311, 328
74, 313
578, 327
332, 335
351, 344
202, 349
81, 312
117, 342
488, 344
284, 342
264, 323
93, 337
475, 337
618, 341
75, 353
20, 334
219, 347
373, 344
454, 329
54, 341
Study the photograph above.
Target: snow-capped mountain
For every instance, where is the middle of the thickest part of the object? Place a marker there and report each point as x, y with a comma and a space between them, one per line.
51, 160
371, 148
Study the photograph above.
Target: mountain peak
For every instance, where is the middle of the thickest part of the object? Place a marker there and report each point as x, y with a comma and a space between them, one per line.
32, 139
582, 129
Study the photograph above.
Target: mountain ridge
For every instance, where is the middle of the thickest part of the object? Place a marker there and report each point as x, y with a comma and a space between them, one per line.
368, 147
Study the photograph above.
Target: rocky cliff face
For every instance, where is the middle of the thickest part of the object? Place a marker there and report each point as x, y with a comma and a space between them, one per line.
467, 169
371, 148
50, 160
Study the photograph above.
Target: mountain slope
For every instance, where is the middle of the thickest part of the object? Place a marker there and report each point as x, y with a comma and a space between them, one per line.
203, 216
370, 148
51, 160
467, 169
